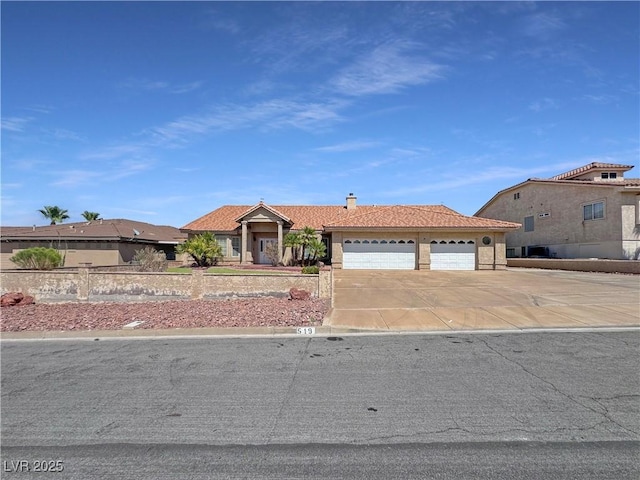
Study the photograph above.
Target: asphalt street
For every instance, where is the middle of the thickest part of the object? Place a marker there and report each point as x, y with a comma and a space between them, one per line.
500, 405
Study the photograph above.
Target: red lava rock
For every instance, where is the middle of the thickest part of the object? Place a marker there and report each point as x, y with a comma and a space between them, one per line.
11, 298
299, 294
264, 311
27, 300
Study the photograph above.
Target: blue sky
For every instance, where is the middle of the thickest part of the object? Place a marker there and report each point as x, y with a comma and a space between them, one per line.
163, 111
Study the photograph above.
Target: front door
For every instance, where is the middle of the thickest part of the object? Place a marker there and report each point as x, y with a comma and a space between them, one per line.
262, 249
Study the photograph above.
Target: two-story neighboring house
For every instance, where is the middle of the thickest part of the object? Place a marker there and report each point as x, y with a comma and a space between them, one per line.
589, 212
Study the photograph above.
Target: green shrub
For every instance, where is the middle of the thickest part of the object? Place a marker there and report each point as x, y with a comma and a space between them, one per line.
38, 258
150, 260
203, 248
313, 270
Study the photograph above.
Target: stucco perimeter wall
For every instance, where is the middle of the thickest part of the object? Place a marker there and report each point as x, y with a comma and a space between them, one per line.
43, 286
578, 265
87, 285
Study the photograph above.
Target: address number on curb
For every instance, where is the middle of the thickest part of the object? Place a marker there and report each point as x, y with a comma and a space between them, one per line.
306, 330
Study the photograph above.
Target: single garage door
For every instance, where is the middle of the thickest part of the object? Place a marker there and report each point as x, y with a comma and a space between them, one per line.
453, 255
379, 254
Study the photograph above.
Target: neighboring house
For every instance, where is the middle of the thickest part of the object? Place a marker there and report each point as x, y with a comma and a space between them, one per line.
590, 212
362, 237
99, 242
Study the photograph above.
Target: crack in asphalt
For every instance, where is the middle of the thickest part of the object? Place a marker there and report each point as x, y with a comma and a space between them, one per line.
303, 355
557, 390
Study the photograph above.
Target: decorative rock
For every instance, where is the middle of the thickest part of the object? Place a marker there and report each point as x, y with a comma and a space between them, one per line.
16, 298
299, 294
27, 300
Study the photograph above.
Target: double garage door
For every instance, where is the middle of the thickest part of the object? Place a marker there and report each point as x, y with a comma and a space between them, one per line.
394, 254
379, 254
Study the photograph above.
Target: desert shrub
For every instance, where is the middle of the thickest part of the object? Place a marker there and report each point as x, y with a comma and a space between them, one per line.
150, 260
272, 252
38, 258
311, 270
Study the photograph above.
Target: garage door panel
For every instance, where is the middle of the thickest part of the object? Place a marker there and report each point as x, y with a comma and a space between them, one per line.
451, 256
379, 256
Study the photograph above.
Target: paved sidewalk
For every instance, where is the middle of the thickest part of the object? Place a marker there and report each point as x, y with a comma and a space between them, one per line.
514, 299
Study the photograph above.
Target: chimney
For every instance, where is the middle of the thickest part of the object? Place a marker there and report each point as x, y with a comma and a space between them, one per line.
351, 202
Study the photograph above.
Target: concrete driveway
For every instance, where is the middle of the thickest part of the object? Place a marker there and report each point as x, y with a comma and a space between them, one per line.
512, 299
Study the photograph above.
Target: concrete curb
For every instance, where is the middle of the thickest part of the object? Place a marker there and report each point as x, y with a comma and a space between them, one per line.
290, 332
180, 332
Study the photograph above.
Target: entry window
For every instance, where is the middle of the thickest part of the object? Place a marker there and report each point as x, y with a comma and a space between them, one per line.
528, 224
235, 246
593, 211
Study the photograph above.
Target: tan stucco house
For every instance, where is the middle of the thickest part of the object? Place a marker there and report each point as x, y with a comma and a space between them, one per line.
100, 242
589, 212
362, 236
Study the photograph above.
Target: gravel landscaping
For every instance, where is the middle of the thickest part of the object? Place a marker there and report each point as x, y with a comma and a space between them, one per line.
253, 312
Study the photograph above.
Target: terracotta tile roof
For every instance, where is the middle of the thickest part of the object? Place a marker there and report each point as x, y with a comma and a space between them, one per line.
591, 166
224, 219
116, 229
364, 216
415, 216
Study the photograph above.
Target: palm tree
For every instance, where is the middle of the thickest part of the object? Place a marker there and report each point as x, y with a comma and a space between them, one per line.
307, 234
293, 240
317, 249
90, 216
203, 248
55, 214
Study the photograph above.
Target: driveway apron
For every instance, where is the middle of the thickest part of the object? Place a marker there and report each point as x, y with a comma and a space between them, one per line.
509, 299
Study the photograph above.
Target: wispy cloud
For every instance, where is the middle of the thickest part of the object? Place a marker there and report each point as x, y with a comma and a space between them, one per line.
214, 19
129, 168
82, 177
113, 152
542, 25
543, 104
63, 134
387, 69
600, 99
15, 124
73, 178
268, 115
458, 180
348, 147
138, 84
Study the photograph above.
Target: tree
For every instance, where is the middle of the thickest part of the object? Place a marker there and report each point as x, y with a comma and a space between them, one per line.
307, 234
293, 240
203, 248
90, 216
317, 249
54, 213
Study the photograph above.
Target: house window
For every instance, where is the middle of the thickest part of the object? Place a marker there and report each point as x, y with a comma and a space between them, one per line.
528, 224
516, 196
609, 175
235, 246
593, 211
222, 241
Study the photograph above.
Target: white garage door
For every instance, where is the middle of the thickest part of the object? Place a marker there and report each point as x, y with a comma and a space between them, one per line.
379, 254
453, 255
